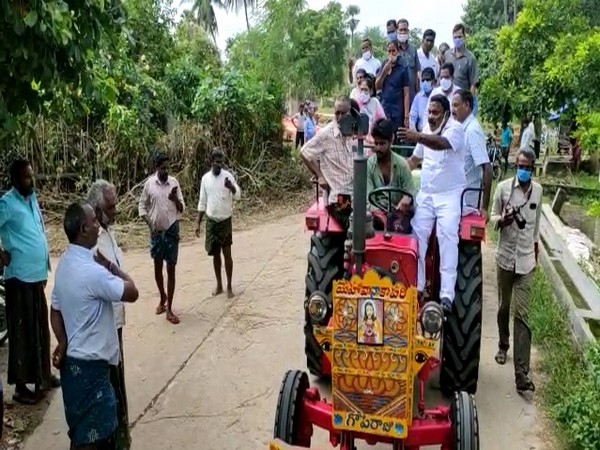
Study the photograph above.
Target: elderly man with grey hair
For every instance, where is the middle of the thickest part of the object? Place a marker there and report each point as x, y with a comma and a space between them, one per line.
516, 212
103, 199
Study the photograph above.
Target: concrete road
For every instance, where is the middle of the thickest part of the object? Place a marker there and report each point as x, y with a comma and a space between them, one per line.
211, 382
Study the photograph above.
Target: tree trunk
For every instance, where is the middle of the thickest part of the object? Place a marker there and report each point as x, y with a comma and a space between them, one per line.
246, 12
506, 12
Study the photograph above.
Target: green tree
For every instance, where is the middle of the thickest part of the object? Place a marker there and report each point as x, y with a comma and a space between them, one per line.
351, 12
237, 5
377, 37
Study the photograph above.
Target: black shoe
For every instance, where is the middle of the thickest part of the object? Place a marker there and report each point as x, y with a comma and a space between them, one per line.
446, 305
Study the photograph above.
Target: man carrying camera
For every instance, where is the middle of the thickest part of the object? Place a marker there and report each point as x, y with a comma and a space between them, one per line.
516, 212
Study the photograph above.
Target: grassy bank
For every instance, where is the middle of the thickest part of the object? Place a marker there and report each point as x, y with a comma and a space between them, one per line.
569, 392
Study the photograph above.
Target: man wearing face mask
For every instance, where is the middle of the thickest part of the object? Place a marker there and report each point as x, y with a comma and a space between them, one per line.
161, 206
440, 149
516, 212
408, 53
329, 157
418, 109
426, 57
466, 69
392, 30
393, 82
367, 61
446, 87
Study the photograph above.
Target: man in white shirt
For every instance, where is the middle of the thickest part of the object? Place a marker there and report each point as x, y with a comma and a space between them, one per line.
528, 135
367, 61
426, 58
440, 149
478, 168
85, 288
218, 189
446, 87
102, 197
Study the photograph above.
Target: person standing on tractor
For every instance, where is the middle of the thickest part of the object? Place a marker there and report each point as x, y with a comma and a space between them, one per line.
408, 53
440, 148
360, 77
329, 157
466, 69
369, 104
161, 206
367, 61
478, 168
218, 189
446, 87
418, 109
386, 168
426, 58
392, 30
516, 213
393, 81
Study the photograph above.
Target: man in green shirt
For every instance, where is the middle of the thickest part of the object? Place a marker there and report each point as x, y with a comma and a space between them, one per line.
386, 168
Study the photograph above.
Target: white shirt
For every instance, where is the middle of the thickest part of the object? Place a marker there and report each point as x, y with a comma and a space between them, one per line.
443, 170
438, 91
84, 292
428, 61
107, 245
371, 65
527, 139
215, 199
476, 155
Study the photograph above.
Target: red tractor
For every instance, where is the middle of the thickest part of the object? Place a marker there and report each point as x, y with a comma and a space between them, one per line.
334, 258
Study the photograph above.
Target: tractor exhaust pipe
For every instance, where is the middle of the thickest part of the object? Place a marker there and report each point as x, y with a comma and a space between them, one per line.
359, 207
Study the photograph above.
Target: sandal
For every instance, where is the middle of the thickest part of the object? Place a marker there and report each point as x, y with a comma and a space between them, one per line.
500, 357
172, 318
25, 399
160, 309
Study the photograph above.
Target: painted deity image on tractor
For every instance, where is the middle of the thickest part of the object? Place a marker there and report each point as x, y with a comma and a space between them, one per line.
367, 330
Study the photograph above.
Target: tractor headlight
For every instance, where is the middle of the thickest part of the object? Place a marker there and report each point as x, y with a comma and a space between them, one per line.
317, 306
432, 318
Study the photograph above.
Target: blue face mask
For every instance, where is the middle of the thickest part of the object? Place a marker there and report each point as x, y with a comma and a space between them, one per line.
392, 36
426, 87
523, 175
458, 43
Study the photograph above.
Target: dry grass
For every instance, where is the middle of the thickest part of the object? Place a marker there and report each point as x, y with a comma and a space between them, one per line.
134, 234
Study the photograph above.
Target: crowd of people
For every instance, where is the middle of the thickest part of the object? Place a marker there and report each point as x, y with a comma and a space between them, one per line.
91, 287
417, 98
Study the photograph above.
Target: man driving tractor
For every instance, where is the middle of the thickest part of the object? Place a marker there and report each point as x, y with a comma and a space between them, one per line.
386, 168
440, 148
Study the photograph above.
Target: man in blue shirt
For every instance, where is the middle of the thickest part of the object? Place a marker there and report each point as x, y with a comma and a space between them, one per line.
418, 109
26, 262
393, 81
506, 138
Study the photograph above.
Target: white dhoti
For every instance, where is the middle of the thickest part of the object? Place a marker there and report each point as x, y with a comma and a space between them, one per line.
445, 207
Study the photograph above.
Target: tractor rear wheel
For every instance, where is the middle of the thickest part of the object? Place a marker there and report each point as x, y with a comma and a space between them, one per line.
288, 417
325, 264
462, 330
465, 424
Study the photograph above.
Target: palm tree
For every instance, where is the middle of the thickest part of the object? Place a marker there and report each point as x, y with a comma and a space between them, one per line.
351, 12
236, 5
204, 13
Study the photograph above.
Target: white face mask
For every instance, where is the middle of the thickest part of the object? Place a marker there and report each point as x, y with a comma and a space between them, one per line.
402, 38
366, 55
364, 97
445, 84
439, 129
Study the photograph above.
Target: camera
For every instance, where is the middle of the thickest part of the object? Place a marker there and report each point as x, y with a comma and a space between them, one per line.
354, 124
519, 219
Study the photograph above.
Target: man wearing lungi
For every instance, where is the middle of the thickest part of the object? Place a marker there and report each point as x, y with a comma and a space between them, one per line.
161, 206
218, 189
86, 287
26, 260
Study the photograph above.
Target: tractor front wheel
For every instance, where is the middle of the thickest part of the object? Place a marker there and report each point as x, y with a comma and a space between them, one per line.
289, 426
325, 264
462, 331
465, 424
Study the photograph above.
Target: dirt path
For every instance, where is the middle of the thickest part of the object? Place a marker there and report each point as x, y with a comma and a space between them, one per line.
212, 381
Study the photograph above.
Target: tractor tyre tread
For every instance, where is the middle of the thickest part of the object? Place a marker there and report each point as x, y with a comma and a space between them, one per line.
461, 345
325, 264
288, 413
465, 423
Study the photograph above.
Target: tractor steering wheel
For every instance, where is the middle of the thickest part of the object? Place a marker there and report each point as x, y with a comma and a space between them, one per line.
376, 194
